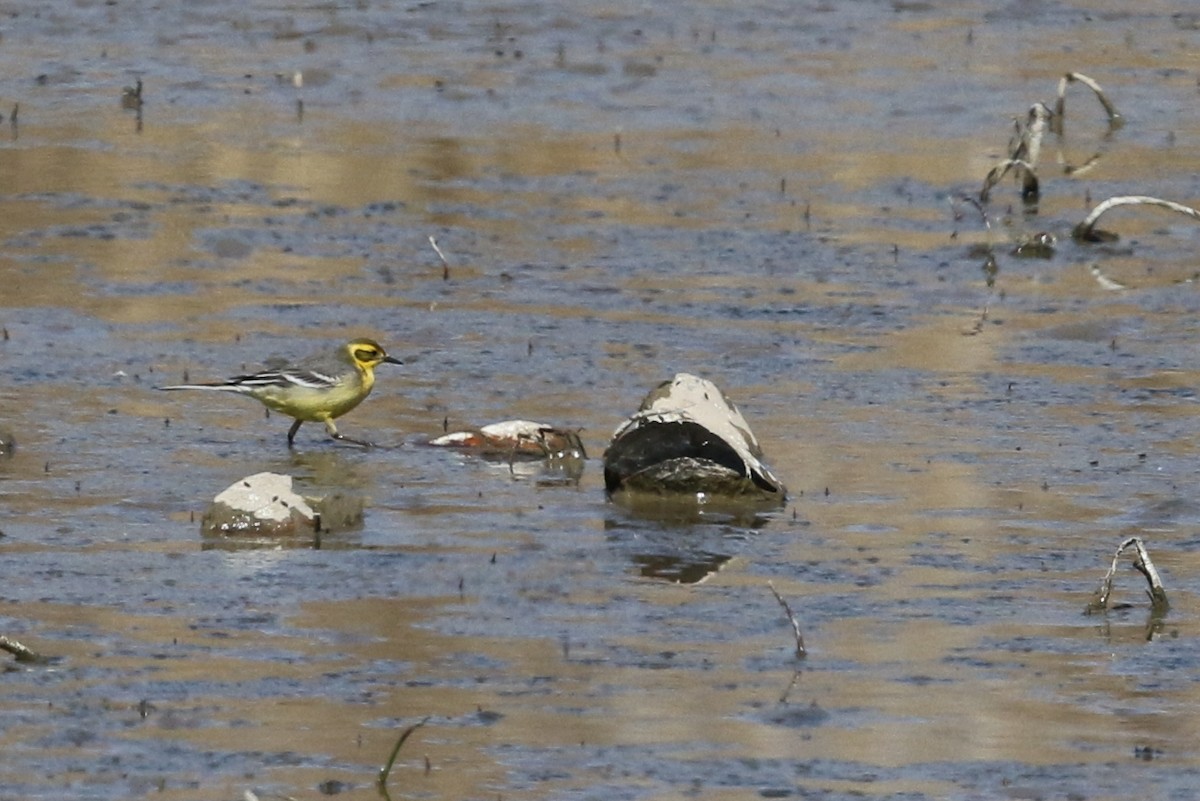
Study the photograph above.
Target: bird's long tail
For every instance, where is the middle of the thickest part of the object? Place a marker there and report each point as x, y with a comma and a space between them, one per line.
216, 387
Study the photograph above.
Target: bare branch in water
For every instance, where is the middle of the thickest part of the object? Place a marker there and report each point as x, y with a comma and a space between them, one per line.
442, 256
1026, 145
1024, 170
1114, 118
1024, 149
381, 782
1086, 167
18, 650
1086, 230
1158, 595
801, 652
979, 208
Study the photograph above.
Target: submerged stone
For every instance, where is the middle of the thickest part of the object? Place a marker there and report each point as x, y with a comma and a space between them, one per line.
558, 453
687, 438
516, 438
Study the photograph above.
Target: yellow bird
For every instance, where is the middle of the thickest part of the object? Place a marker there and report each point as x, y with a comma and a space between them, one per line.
316, 389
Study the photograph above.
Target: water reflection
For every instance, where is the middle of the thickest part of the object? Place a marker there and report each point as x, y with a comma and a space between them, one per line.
690, 568
1154, 625
248, 542
680, 542
679, 510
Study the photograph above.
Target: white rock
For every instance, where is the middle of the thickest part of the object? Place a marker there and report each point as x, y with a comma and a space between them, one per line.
263, 503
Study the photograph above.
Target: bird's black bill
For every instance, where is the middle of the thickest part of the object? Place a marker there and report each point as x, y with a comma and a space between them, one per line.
392, 360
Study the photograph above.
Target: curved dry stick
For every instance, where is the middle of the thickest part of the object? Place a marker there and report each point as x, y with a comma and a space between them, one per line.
1024, 150
801, 651
1029, 181
1156, 591
1082, 168
1028, 144
979, 208
1114, 118
381, 780
1086, 230
442, 256
18, 650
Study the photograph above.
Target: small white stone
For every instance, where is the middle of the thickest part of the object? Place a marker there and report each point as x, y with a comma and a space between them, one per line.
263, 503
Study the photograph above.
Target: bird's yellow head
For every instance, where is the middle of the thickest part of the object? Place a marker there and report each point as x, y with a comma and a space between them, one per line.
367, 354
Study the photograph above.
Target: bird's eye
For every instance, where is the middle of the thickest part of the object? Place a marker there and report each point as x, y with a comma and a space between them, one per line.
366, 354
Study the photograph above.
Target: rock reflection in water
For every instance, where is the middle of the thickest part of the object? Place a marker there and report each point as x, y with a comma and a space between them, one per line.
680, 541
691, 568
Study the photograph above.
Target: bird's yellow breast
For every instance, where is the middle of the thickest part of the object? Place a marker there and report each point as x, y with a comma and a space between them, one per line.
304, 403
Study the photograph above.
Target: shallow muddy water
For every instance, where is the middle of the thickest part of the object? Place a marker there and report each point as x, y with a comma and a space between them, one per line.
765, 195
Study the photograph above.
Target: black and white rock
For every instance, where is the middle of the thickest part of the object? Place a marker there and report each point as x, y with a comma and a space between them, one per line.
688, 439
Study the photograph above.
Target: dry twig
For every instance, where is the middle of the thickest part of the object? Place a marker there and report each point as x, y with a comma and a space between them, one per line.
1086, 230
800, 650
442, 256
381, 782
1026, 144
1022, 169
979, 208
1114, 119
18, 650
1158, 595
1024, 149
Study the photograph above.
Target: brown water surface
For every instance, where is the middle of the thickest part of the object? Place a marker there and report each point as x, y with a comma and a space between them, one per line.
766, 195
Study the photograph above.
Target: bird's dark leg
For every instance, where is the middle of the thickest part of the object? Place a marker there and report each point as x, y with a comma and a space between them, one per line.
292, 432
340, 437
